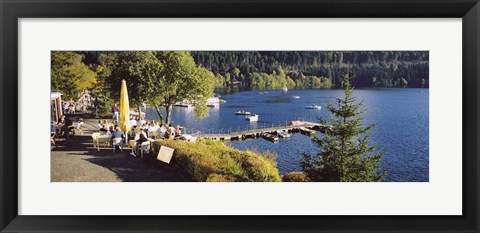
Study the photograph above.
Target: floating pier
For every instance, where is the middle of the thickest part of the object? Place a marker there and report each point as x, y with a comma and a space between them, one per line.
307, 128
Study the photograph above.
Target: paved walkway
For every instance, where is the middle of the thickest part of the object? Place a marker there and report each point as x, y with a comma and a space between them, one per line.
75, 160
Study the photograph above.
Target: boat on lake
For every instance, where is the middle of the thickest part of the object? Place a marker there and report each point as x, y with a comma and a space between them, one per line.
283, 134
183, 105
213, 100
285, 89
243, 113
313, 106
296, 97
270, 137
134, 113
253, 117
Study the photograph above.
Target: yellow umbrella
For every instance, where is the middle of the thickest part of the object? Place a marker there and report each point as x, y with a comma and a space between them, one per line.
124, 108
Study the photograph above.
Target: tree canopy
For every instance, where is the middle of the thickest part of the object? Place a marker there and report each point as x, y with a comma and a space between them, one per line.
160, 79
70, 75
183, 80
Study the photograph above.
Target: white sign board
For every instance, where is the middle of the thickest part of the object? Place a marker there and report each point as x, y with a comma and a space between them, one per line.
165, 154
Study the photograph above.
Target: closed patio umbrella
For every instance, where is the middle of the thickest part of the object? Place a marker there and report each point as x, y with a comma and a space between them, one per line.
124, 109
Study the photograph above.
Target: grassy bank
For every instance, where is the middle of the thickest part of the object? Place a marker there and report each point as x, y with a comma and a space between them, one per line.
213, 161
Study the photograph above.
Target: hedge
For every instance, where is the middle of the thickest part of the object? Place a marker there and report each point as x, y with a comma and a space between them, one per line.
213, 161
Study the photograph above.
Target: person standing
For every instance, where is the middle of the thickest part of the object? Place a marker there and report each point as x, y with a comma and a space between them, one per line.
115, 113
73, 105
65, 107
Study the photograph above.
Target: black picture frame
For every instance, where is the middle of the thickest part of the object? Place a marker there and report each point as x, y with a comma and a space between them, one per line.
11, 11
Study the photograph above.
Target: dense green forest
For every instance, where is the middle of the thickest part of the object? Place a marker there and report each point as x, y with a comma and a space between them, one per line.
315, 69
309, 69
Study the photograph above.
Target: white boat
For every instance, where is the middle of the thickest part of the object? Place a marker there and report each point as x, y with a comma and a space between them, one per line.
296, 97
313, 106
135, 113
213, 100
253, 117
243, 113
283, 134
182, 105
285, 89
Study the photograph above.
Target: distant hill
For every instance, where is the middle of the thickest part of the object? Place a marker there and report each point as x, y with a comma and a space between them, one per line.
316, 69
308, 69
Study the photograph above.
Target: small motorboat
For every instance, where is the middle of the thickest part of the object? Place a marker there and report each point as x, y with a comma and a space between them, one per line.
313, 106
296, 97
243, 113
182, 105
253, 117
270, 137
283, 134
285, 89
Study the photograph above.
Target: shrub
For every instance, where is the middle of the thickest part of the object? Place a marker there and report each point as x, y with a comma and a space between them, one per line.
218, 178
295, 177
209, 160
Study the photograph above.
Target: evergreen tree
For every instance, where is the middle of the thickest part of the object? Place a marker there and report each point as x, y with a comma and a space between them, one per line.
345, 153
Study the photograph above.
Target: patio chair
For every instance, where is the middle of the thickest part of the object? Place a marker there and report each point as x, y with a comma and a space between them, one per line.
117, 142
145, 146
104, 140
95, 140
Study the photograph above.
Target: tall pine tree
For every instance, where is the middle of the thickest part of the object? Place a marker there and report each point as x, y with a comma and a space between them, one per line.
345, 152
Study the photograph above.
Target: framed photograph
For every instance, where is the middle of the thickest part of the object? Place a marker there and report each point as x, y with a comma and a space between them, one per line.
310, 116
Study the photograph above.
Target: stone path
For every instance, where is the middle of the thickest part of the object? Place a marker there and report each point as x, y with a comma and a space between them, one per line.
75, 160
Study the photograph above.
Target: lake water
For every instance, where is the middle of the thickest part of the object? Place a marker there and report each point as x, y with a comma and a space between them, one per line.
401, 116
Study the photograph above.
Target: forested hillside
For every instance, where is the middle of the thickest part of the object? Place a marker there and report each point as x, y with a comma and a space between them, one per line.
308, 69
316, 69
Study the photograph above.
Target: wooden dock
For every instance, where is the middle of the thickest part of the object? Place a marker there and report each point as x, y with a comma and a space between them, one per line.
257, 133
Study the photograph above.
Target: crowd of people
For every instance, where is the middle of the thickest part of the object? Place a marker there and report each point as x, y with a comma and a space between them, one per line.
153, 129
141, 130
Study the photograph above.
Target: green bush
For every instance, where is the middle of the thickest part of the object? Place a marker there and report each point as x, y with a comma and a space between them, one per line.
213, 161
295, 177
